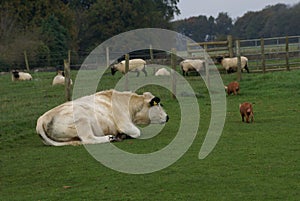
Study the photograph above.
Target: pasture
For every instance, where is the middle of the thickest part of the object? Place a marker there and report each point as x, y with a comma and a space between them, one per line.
258, 161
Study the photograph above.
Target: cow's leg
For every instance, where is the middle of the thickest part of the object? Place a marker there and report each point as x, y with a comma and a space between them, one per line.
87, 135
120, 137
131, 130
97, 139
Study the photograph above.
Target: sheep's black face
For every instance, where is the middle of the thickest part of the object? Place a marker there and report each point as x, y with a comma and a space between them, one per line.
219, 59
16, 74
113, 70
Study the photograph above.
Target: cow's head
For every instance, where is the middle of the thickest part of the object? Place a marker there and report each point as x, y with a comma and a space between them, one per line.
157, 115
151, 111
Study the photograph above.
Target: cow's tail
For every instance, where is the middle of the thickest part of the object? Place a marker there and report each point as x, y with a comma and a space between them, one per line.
41, 131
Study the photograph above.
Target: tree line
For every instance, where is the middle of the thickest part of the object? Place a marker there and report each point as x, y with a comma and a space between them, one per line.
47, 29
272, 21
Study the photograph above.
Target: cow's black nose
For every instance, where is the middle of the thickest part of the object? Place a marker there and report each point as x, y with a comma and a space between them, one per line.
167, 118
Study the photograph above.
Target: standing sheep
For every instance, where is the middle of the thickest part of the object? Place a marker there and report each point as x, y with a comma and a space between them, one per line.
231, 64
192, 65
16, 75
135, 65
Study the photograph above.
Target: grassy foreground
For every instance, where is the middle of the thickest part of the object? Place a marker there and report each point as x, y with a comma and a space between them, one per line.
258, 161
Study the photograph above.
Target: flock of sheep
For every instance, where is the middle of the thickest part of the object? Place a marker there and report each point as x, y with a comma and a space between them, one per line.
197, 65
187, 65
59, 79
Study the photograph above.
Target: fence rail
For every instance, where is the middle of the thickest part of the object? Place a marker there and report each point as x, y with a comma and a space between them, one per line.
264, 54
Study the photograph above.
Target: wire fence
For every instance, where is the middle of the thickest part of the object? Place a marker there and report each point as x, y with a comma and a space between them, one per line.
264, 54
276, 53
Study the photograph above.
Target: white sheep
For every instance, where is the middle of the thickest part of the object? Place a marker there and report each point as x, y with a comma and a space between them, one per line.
135, 65
192, 65
16, 75
60, 78
230, 64
162, 72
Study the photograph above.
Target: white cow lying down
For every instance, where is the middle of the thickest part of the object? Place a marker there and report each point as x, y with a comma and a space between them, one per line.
99, 118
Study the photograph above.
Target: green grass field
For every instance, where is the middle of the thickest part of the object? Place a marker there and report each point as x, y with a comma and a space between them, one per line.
258, 161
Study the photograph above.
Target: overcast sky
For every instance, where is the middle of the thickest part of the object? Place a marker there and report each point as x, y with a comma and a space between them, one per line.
234, 8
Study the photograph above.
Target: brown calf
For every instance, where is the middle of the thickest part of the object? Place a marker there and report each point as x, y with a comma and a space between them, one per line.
233, 87
246, 110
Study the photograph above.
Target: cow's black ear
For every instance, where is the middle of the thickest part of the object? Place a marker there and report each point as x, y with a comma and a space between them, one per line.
154, 101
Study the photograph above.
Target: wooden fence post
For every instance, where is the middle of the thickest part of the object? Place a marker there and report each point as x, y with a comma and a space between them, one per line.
189, 54
26, 60
69, 57
263, 57
107, 56
230, 45
67, 80
151, 53
126, 71
239, 62
287, 53
206, 66
173, 65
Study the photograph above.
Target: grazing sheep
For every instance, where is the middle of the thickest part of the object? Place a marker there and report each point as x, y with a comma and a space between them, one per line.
162, 72
232, 87
135, 65
16, 75
246, 110
192, 65
230, 64
60, 78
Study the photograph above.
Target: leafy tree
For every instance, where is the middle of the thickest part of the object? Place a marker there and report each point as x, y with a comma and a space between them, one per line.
55, 36
54, 26
223, 24
272, 21
110, 17
197, 28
